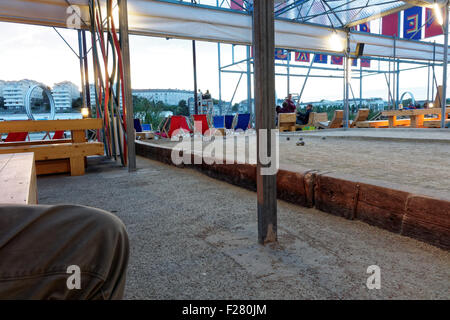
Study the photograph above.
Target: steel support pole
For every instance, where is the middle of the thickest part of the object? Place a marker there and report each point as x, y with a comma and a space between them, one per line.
264, 73
288, 84
86, 71
444, 71
194, 64
304, 82
346, 80
360, 85
249, 82
220, 78
80, 55
128, 107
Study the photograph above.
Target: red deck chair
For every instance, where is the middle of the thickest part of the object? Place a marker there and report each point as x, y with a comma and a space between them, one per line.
16, 136
200, 120
58, 135
177, 123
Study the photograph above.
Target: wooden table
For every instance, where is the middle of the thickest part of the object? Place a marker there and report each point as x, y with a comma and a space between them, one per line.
17, 179
416, 116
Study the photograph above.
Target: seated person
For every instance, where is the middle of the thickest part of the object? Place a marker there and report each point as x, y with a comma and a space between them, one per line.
303, 118
43, 246
290, 105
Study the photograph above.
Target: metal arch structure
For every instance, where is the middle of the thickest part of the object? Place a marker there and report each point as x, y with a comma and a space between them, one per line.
28, 97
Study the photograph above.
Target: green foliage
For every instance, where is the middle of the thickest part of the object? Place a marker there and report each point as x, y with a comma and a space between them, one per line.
77, 103
151, 111
235, 107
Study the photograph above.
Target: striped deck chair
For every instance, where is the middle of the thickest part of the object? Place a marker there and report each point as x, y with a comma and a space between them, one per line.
16, 136
177, 124
242, 122
200, 123
219, 122
229, 121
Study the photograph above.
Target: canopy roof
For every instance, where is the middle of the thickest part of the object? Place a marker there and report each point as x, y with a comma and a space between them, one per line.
181, 19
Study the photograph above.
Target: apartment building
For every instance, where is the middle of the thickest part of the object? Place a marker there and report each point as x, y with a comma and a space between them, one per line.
63, 94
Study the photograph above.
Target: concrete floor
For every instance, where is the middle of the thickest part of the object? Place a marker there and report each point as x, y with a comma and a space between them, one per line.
193, 237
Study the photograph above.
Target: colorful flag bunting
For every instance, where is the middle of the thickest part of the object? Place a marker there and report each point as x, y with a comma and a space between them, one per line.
389, 25
364, 27
302, 56
320, 58
365, 63
281, 54
432, 27
412, 21
337, 60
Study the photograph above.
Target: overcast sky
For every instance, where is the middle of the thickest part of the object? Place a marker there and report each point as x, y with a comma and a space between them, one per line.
38, 53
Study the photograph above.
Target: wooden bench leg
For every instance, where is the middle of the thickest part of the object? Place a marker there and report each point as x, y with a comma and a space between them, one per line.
392, 121
77, 166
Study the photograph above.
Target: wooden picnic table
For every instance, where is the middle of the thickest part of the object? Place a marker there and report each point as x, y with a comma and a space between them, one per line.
17, 178
416, 115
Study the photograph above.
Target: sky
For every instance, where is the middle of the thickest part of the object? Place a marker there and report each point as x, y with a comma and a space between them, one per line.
38, 53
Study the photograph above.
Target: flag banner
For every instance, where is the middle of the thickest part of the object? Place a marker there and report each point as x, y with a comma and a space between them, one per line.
432, 27
237, 5
389, 25
365, 63
354, 62
302, 56
281, 54
320, 58
412, 21
354, 28
337, 60
364, 27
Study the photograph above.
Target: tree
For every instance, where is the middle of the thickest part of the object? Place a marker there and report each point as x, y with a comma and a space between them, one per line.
182, 108
235, 107
77, 103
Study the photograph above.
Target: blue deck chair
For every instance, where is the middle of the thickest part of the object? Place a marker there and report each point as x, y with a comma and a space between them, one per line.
137, 125
242, 121
229, 121
146, 127
219, 122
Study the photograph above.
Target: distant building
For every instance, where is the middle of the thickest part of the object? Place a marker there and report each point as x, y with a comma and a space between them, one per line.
64, 93
14, 93
168, 96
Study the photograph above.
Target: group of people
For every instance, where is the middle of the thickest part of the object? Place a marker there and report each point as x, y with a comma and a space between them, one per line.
288, 106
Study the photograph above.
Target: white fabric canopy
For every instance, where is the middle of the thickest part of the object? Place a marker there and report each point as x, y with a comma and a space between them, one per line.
173, 20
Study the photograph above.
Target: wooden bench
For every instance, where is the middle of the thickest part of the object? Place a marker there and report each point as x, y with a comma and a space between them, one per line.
416, 116
314, 119
55, 156
336, 122
361, 116
17, 179
286, 121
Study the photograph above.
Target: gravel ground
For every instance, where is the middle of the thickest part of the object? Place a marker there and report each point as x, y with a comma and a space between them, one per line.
408, 157
193, 237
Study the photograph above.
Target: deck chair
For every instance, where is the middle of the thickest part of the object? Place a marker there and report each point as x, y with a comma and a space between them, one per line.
146, 127
200, 123
361, 115
229, 119
178, 123
242, 122
16, 136
58, 135
438, 98
314, 119
219, 122
137, 125
336, 122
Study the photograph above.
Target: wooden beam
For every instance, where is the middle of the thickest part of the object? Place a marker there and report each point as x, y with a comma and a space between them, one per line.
18, 179
128, 107
49, 125
58, 151
264, 77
